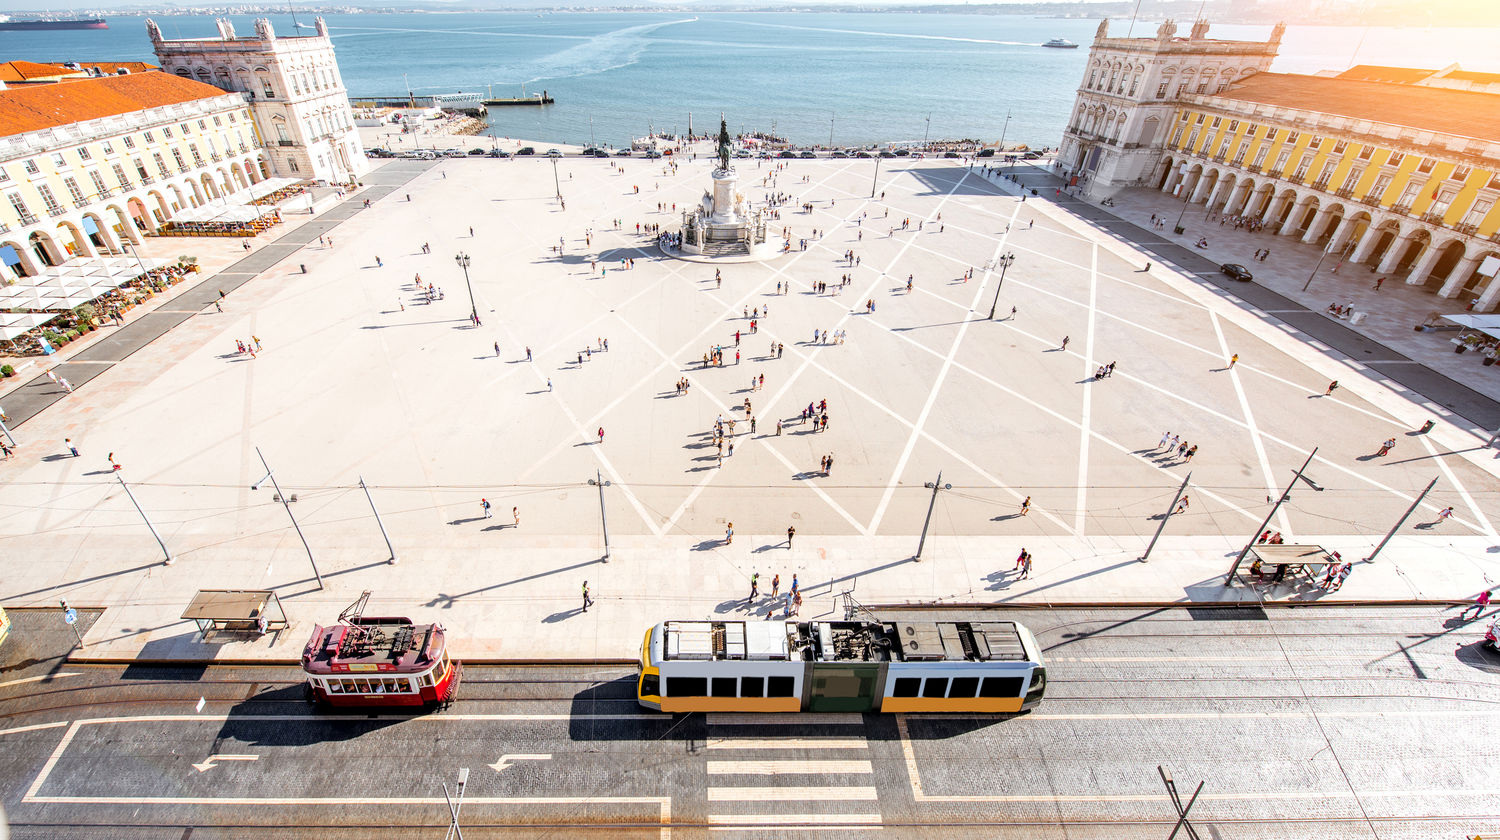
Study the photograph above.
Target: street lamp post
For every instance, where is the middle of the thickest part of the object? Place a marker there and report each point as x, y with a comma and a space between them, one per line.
1003, 129
831, 116
556, 184
463, 262
1005, 261
927, 132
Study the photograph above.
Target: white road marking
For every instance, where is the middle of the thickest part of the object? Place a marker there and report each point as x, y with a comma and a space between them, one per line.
937, 382
52, 760
1080, 508
789, 821
1484, 522
507, 759
776, 768
33, 728
1255, 439
787, 744
209, 763
42, 678
791, 794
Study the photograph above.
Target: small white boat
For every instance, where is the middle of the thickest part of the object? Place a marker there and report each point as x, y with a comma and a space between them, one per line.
1061, 44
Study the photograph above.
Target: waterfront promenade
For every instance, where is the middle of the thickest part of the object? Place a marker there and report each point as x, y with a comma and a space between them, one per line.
361, 377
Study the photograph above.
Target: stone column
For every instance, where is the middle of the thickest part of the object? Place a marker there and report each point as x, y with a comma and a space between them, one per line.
1424, 265
1460, 273
1200, 188
1487, 298
1290, 226
28, 259
1318, 222
1340, 234
1367, 243
82, 247
1241, 197
1393, 254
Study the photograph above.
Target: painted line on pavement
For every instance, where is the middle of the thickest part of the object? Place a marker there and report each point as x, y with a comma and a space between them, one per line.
33, 727
1255, 439
789, 822
942, 374
787, 744
42, 678
1080, 507
777, 768
790, 794
1484, 522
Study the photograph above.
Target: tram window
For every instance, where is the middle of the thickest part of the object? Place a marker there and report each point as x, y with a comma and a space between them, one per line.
427, 680
335, 686
907, 686
1002, 686
650, 685
725, 687
780, 686
687, 687
964, 687
935, 687
752, 686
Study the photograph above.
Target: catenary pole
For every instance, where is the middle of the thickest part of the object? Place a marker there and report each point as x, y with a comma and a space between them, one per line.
936, 486
1239, 558
598, 481
383, 534
284, 503
1163, 525
149, 526
1402, 520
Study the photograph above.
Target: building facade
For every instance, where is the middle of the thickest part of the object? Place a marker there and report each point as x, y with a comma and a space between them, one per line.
1131, 90
1393, 168
296, 95
89, 166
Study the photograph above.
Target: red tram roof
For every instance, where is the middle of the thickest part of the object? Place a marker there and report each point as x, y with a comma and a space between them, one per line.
371, 645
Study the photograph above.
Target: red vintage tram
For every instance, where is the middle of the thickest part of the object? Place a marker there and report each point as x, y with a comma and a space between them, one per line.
379, 662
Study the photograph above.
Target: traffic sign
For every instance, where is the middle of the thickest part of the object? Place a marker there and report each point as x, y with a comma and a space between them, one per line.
70, 615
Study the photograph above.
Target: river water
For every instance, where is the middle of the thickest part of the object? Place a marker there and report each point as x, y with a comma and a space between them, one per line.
861, 77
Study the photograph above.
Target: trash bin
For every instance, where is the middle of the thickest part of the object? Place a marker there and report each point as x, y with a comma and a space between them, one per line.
1178, 230
1426, 427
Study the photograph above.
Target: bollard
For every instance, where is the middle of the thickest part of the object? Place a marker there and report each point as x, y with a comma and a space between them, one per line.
304, 269
1426, 427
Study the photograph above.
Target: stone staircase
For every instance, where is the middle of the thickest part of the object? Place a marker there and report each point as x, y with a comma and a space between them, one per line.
725, 249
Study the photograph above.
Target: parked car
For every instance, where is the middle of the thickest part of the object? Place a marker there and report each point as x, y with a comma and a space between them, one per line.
952, 155
554, 153
1032, 156
903, 153
986, 153
453, 153
498, 153
742, 153
887, 153
788, 154
839, 154
808, 155
378, 153
863, 154
623, 153
1236, 271
653, 154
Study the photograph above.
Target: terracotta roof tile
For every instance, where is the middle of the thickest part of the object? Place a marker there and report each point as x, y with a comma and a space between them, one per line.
1458, 112
22, 71
1381, 73
36, 107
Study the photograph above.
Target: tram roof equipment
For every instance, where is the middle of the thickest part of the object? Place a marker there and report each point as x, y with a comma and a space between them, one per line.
844, 641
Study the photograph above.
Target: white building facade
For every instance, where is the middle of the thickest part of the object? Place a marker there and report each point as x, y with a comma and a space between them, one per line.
296, 95
1131, 91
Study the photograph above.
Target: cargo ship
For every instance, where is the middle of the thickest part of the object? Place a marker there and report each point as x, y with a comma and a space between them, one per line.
10, 25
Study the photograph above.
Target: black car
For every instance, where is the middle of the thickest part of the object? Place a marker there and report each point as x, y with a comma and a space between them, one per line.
476, 152
808, 155
379, 153
863, 154
498, 153
903, 153
986, 153
526, 150
1236, 271
788, 154
887, 153
951, 154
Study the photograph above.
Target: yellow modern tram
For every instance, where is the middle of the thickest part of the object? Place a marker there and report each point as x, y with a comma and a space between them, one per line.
840, 666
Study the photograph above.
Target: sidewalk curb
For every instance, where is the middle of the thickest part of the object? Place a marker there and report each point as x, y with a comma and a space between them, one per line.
1159, 605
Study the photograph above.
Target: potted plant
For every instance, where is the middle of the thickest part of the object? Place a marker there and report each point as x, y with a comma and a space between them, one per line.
7, 371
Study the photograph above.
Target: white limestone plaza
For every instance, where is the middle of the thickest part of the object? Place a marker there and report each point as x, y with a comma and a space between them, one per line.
358, 376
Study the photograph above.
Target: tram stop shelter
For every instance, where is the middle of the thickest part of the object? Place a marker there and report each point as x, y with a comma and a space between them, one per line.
236, 610
1310, 560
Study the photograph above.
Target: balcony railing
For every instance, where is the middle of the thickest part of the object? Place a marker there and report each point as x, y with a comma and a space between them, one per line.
286, 142
4, 228
1433, 218
215, 157
106, 193
1344, 192
29, 219
54, 212
1254, 167
1320, 185
1401, 209
147, 179
1466, 228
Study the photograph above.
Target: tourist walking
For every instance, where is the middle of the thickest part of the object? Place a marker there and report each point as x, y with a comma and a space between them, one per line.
729, 533
1026, 506
587, 601
484, 505
1332, 386
68, 442
1478, 606
1385, 448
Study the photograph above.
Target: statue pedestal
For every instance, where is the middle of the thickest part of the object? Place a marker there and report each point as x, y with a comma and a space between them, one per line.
724, 184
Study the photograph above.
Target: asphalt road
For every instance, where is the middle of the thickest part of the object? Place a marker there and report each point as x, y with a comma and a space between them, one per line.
1313, 722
